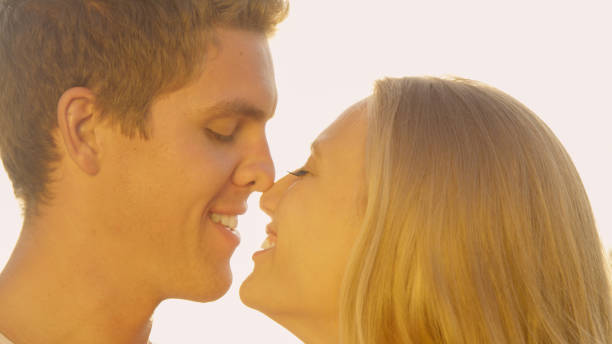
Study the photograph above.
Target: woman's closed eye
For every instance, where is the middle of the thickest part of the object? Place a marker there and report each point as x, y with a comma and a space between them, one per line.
299, 172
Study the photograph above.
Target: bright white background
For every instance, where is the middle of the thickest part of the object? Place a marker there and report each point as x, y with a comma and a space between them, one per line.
554, 56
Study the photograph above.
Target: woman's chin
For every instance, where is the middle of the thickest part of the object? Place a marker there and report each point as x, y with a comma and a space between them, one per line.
254, 295
247, 292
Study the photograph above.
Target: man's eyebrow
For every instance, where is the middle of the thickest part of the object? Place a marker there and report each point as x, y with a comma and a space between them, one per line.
236, 107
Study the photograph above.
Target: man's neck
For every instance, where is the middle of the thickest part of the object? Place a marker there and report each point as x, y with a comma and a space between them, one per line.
52, 293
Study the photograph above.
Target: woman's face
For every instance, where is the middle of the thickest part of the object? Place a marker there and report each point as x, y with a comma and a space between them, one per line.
315, 218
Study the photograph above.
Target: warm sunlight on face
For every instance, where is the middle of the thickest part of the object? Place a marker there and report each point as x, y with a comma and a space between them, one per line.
206, 154
315, 217
327, 55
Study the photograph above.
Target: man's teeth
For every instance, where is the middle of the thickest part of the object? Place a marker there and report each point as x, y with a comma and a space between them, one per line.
230, 221
268, 243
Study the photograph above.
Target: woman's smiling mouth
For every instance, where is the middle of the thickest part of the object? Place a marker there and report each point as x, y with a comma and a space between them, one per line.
268, 244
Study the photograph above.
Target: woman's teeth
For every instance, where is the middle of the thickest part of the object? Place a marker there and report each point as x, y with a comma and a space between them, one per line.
268, 243
229, 221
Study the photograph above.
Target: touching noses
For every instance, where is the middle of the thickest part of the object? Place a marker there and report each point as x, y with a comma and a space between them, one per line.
257, 169
270, 198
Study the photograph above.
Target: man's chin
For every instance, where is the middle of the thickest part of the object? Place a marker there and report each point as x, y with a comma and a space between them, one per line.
213, 295
206, 287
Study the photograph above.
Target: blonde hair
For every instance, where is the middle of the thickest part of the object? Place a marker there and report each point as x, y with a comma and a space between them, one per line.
477, 228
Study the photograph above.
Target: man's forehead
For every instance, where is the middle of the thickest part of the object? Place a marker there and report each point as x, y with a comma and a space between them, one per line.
234, 81
228, 42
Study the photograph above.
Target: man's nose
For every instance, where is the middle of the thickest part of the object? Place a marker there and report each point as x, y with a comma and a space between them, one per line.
257, 169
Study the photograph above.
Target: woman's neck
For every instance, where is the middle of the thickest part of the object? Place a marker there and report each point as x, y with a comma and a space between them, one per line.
311, 329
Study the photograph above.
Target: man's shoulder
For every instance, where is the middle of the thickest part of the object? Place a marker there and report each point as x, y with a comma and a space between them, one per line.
4, 340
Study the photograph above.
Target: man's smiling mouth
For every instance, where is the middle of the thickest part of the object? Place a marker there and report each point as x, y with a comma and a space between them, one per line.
229, 221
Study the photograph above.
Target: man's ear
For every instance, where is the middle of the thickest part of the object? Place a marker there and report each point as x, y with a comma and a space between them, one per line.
77, 124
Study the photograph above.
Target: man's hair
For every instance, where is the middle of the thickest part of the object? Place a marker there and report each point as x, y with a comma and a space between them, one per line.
126, 51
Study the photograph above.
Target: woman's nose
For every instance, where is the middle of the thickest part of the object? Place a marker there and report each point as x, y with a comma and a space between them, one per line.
270, 198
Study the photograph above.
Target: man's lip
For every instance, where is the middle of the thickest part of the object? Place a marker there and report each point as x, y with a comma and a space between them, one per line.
231, 212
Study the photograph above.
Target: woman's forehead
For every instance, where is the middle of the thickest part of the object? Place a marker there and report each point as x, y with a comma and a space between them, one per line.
346, 134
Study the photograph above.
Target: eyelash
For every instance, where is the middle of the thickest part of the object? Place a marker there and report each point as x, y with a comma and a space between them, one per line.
219, 137
298, 173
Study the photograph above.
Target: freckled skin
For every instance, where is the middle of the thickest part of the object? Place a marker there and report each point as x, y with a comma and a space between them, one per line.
128, 226
168, 183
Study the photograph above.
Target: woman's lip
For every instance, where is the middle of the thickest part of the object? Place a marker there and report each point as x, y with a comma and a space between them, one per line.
271, 238
270, 231
260, 252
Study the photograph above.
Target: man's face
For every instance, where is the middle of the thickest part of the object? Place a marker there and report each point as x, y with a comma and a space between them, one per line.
206, 153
